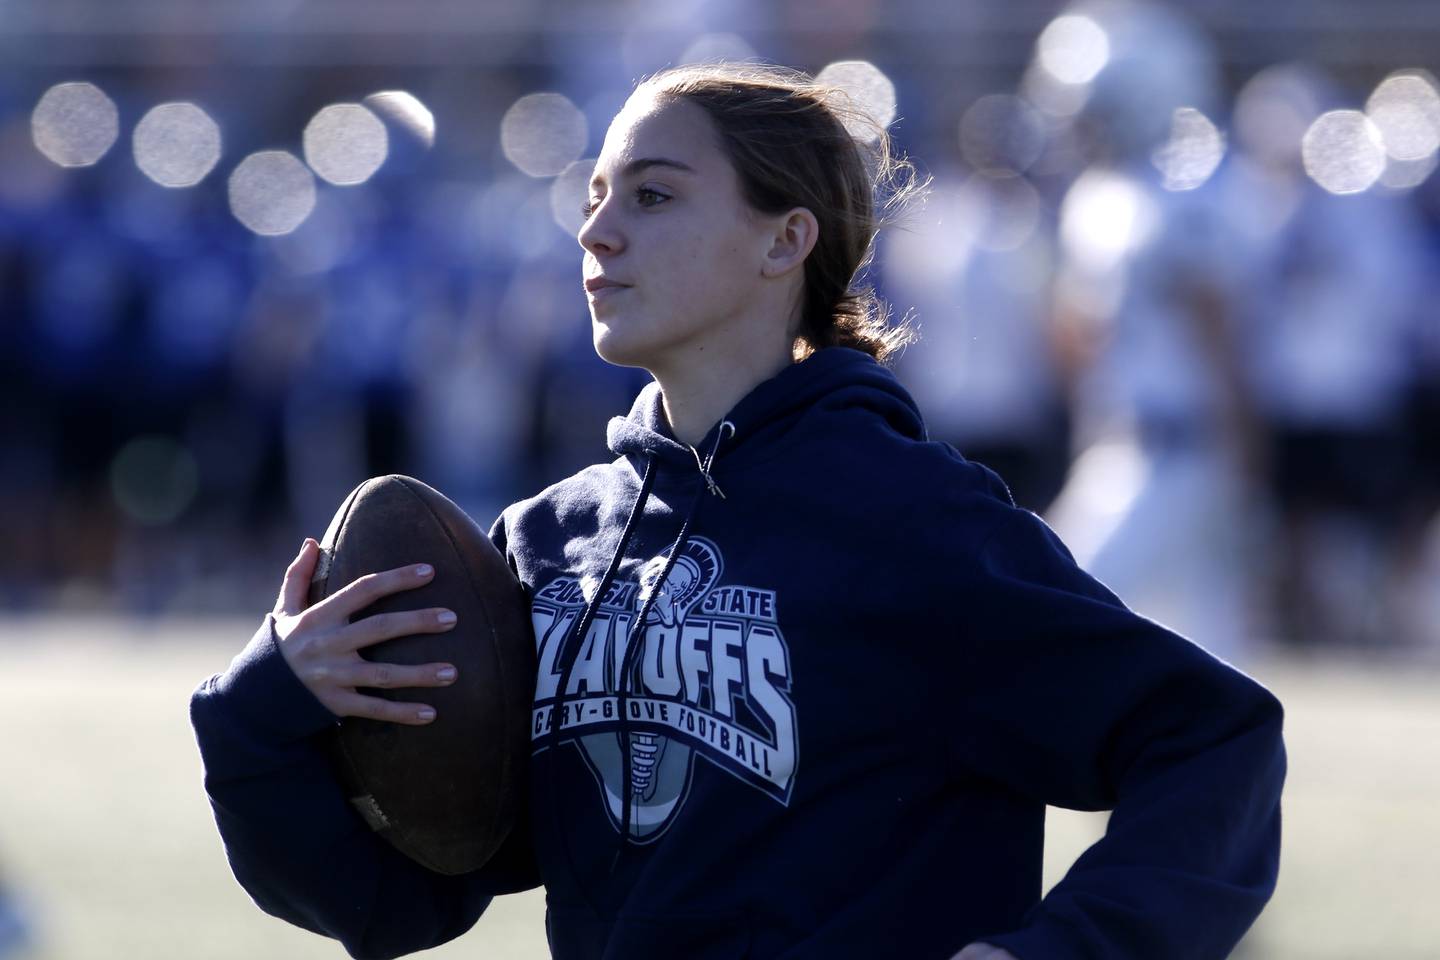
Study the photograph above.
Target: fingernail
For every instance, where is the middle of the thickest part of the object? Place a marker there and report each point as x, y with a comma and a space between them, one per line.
445, 674
424, 570
425, 713
445, 616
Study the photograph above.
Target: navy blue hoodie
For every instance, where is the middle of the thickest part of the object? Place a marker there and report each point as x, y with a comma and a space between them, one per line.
804, 690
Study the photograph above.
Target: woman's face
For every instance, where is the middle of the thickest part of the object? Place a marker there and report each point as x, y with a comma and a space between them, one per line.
667, 221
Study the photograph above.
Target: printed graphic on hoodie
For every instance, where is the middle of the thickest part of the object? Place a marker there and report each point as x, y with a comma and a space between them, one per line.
712, 678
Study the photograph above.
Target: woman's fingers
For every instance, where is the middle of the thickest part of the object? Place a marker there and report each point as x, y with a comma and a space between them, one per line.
336, 679
320, 643
373, 708
385, 676
386, 626
359, 594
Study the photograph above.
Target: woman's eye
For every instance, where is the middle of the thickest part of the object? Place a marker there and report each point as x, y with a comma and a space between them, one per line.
643, 196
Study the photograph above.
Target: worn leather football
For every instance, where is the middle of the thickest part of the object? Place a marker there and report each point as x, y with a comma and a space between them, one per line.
448, 793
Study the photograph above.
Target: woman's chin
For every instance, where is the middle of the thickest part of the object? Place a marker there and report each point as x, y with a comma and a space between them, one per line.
617, 349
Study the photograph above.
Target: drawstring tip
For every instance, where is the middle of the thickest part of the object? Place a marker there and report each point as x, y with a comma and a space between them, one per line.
704, 465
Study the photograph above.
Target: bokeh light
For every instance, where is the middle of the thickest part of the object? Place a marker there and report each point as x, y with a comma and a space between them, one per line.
74, 124
1104, 217
654, 34
1192, 153
271, 192
1051, 97
715, 47
870, 91
153, 479
1002, 132
1408, 174
939, 238
543, 133
345, 144
1073, 49
176, 144
568, 194
1343, 151
405, 110
1405, 108
1274, 109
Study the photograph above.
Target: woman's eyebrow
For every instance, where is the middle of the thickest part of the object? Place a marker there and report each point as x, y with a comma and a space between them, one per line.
644, 163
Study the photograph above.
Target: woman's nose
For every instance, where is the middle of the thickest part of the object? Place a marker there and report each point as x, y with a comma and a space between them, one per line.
598, 233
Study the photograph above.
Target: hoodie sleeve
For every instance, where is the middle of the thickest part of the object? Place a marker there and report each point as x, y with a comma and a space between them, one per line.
1079, 702
291, 837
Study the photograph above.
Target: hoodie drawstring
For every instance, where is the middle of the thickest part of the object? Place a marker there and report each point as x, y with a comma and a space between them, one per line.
557, 716
592, 606
637, 628
637, 633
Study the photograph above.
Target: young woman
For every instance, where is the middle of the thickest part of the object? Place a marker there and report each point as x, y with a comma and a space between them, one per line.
806, 680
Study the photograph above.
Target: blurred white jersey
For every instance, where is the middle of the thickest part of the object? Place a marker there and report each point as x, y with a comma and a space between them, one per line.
1135, 259
1156, 506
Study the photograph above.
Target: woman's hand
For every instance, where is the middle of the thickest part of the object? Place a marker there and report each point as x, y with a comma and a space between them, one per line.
983, 951
322, 646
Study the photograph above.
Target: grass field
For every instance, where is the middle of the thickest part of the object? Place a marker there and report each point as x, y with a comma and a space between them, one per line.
105, 830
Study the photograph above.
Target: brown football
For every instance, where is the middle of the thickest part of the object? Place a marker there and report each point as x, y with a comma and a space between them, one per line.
448, 793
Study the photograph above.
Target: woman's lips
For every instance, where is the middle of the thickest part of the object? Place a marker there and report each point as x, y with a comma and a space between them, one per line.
603, 291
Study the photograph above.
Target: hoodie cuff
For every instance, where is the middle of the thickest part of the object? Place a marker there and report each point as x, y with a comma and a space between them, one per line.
265, 694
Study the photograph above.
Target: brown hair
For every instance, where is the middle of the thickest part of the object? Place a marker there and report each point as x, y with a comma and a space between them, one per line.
789, 138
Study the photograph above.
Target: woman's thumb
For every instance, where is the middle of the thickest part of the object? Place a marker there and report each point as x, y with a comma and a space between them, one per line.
296, 588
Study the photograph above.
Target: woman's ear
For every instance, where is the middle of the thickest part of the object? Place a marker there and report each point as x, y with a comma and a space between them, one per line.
794, 237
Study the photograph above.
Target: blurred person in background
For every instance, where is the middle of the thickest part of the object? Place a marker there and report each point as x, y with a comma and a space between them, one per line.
1159, 504
987, 374
1418, 553
75, 329
921, 669
465, 388
1329, 335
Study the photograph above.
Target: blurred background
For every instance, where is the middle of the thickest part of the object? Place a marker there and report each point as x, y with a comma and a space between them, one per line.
1175, 279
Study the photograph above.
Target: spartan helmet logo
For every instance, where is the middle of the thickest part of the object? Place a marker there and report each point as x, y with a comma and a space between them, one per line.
677, 594
659, 767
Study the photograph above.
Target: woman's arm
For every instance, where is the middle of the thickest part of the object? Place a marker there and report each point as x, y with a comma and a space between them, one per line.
293, 840
1077, 701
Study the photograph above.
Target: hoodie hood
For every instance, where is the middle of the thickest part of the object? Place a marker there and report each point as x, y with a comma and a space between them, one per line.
830, 379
